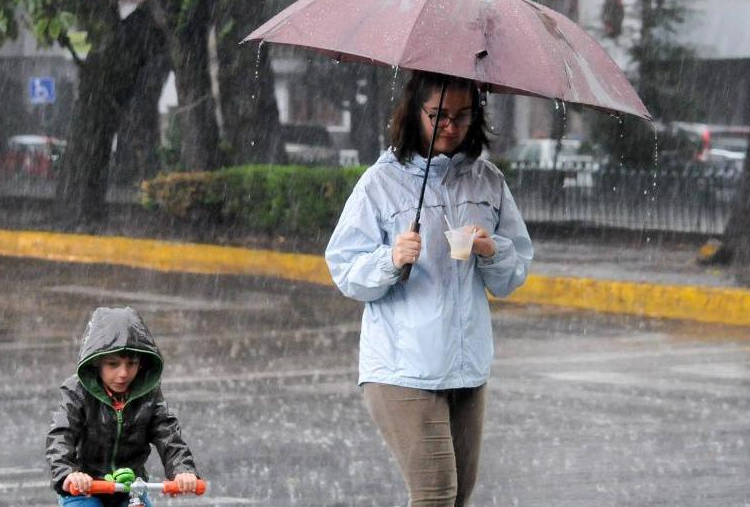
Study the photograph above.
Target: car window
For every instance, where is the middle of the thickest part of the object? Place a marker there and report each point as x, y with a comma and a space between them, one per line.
729, 143
530, 153
569, 149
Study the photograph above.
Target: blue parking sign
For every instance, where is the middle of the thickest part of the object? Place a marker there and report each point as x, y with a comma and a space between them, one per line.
42, 90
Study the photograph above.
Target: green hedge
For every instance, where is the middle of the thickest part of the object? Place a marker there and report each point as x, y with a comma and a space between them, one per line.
283, 200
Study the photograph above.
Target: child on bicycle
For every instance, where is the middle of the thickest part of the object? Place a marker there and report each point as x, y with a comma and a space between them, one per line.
112, 410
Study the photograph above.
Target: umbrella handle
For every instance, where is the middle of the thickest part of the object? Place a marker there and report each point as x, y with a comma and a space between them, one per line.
407, 267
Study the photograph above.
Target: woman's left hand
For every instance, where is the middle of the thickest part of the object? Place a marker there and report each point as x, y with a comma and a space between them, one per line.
483, 244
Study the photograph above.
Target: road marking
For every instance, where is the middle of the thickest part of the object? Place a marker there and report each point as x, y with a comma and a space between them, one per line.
264, 300
259, 375
20, 470
646, 381
728, 371
20, 484
269, 334
605, 357
210, 500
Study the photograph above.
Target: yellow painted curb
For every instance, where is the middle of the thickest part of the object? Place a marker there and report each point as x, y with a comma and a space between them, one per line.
705, 304
163, 256
698, 303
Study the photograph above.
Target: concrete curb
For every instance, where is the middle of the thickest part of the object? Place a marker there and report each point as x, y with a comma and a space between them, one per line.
704, 304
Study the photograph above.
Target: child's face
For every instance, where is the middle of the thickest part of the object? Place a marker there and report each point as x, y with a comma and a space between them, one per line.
118, 372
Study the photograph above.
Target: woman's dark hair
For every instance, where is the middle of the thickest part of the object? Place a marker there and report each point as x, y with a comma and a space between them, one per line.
405, 128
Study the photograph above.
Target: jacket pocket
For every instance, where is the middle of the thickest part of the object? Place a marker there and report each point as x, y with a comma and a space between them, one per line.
400, 218
484, 212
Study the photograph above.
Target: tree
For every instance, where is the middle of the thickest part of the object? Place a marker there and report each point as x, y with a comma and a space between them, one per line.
365, 89
138, 138
185, 24
737, 231
734, 248
119, 49
662, 63
248, 105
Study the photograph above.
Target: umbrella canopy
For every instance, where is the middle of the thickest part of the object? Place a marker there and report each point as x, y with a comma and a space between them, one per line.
512, 46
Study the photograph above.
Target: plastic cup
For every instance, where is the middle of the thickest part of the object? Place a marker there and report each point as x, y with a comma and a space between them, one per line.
461, 241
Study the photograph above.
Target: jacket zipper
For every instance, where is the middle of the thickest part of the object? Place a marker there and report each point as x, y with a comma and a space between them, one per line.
118, 413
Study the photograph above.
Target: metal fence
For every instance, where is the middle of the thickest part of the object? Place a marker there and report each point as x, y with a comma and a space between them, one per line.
692, 198
686, 198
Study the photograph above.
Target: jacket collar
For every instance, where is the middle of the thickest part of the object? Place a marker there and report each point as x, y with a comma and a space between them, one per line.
440, 165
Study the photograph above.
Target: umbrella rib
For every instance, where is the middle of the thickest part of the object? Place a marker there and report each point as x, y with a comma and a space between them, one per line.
539, 11
407, 39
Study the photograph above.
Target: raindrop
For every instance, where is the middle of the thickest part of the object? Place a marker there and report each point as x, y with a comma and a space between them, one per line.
393, 81
257, 62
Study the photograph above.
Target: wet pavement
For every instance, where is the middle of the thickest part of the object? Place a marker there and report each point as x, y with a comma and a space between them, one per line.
670, 263
584, 409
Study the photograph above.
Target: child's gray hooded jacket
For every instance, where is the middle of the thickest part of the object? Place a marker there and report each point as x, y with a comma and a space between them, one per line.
88, 434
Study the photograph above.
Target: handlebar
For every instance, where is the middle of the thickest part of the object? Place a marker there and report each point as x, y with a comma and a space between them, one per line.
109, 487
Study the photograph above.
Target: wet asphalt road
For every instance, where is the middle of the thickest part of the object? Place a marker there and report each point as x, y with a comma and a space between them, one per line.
584, 409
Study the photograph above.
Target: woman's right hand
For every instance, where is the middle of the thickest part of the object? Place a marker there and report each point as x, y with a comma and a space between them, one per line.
406, 249
82, 481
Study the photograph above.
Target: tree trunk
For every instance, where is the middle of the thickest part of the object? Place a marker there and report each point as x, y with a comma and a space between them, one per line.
104, 90
186, 26
246, 84
737, 230
138, 139
367, 114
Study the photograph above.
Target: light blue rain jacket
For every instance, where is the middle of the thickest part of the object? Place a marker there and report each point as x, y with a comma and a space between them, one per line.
434, 331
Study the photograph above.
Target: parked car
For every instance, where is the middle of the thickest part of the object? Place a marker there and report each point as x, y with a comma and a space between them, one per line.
31, 155
574, 161
702, 142
309, 145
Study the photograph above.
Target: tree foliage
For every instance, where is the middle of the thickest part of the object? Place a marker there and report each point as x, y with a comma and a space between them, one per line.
662, 63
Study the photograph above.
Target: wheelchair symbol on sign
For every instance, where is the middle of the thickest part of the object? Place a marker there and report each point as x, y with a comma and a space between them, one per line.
42, 90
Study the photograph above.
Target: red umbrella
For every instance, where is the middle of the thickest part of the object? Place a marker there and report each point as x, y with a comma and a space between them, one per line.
512, 46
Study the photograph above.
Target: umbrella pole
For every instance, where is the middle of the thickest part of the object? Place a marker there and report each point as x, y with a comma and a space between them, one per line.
415, 225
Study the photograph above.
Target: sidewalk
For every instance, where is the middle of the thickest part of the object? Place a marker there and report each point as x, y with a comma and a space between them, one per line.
651, 279
654, 280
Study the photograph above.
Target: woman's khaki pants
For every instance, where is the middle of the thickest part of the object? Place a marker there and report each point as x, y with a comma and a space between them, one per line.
435, 436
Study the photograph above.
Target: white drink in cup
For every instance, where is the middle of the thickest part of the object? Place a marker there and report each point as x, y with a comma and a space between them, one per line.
461, 241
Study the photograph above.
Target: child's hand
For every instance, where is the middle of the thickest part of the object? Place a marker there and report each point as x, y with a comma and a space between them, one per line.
81, 480
187, 482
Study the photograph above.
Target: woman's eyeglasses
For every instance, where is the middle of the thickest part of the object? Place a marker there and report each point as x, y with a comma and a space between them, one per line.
462, 119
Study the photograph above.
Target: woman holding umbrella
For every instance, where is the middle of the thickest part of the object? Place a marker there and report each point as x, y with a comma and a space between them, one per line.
426, 345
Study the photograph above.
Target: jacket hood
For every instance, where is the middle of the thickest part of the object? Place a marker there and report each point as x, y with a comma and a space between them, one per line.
118, 330
439, 164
